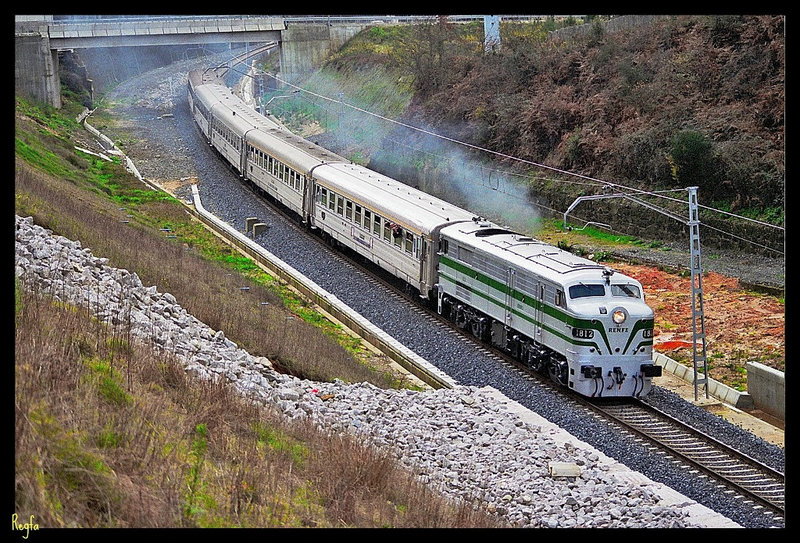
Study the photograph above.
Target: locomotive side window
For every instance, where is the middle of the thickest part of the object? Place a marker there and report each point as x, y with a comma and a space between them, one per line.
465, 255
559, 298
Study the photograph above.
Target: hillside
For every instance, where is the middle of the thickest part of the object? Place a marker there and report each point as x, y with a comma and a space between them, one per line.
633, 107
663, 104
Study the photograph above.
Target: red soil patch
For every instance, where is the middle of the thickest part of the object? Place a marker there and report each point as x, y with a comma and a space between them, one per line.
741, 326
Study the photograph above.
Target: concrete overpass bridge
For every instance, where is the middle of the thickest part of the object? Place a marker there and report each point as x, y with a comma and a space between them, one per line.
304, 41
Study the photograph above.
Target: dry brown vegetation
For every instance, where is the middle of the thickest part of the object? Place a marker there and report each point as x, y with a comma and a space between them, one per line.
110, 434
676, 101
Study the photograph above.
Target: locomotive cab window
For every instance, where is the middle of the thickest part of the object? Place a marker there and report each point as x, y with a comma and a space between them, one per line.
629, 291
583, 291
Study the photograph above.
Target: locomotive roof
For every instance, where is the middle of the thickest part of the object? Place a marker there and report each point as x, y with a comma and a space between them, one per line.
527, 252
411, 208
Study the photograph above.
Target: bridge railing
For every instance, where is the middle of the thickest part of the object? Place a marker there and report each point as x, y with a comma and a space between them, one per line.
135, 26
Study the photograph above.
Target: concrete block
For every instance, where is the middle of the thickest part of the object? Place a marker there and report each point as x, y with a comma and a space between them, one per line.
767, 386
249, 222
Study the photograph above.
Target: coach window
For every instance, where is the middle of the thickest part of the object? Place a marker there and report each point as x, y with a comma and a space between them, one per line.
348, 210
398, 236
409, 242
367, 219
387, 231
376, 225
357, 216
332, 201
339, 205
324, 197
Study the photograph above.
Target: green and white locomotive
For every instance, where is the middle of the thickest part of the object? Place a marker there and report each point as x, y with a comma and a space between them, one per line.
579, 321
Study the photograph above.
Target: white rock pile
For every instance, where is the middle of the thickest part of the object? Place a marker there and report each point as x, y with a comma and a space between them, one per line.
464, 441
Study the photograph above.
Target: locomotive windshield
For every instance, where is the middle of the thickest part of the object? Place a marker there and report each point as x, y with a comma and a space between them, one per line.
630, 291
583, 291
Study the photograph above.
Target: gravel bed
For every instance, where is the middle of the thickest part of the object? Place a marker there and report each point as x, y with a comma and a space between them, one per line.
225, 196
467, 442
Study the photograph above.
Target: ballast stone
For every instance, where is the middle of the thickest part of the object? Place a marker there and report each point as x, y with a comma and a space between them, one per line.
465, 441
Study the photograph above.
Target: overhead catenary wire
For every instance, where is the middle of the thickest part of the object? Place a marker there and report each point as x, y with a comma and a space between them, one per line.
591, 181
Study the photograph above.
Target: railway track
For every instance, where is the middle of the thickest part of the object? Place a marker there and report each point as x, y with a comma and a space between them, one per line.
762, 484
747, 477
754, 482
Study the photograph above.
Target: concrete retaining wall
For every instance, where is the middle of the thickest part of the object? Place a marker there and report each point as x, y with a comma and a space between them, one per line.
765, 386
724, 393
304, 47
768, 388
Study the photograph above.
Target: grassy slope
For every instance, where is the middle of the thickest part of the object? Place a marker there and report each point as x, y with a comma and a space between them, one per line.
109, 434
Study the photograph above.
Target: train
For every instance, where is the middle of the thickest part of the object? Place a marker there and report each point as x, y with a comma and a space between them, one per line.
582, 323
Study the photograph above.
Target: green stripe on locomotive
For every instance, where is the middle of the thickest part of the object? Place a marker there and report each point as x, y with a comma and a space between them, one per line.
536, 305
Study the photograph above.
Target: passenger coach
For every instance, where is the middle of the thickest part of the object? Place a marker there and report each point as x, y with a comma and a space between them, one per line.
391, 224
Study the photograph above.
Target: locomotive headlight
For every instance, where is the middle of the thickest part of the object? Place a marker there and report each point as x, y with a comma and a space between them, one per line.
619, 316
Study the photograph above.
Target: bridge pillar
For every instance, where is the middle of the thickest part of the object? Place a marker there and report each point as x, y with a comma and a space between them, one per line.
36, 68
305, 46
